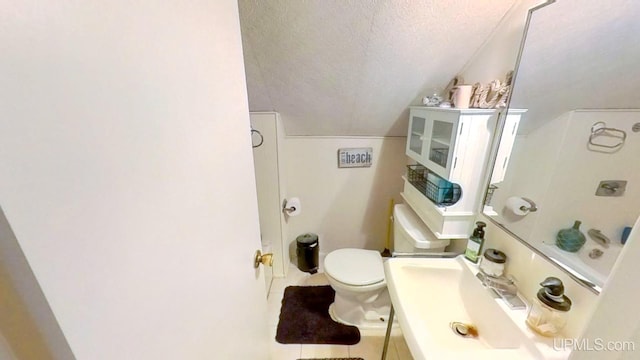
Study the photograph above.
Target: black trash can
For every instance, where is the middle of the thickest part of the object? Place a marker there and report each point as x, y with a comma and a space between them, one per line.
307, 253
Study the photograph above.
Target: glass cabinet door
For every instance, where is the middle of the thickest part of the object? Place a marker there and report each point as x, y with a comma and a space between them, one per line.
417, 134
419, 128
431, 139
440, 142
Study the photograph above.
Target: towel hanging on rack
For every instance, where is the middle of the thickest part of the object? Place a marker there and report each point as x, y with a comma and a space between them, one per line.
600, 129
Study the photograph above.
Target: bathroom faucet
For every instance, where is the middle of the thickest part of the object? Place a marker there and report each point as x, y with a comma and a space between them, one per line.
505, 287
502, 285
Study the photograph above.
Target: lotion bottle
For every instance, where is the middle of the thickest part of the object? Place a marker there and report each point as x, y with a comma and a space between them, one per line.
475, 243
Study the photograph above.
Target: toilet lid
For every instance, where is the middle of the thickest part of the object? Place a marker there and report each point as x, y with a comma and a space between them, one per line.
357, 267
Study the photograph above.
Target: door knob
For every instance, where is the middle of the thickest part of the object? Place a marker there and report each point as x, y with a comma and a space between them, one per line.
264, 259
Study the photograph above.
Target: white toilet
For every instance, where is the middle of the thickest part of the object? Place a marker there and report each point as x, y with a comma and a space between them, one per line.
357, 275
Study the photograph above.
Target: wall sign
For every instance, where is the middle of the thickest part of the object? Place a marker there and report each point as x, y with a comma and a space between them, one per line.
355, 157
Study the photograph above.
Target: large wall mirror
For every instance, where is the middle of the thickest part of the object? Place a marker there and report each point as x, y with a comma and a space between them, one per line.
575, 155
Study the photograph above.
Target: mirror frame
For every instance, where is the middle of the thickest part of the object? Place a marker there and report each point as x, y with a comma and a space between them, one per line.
491, 161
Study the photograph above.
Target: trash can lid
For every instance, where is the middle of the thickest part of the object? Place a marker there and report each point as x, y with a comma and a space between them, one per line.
307, 239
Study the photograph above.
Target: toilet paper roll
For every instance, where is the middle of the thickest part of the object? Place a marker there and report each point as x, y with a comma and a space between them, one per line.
292, 207
516, 205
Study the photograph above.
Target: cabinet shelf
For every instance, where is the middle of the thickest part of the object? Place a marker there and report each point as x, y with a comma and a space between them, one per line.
444, 221
446, 142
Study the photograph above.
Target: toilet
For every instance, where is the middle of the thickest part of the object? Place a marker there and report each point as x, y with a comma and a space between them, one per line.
357, 275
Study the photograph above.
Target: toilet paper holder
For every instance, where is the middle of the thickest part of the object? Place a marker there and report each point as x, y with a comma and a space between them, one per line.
291, 207
288, 210
532, 205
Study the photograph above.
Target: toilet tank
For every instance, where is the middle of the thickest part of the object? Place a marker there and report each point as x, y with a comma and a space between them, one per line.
411, 235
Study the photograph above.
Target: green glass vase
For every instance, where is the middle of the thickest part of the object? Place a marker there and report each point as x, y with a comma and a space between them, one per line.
571, 239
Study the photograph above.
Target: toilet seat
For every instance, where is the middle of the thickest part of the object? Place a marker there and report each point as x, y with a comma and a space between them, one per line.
355, 267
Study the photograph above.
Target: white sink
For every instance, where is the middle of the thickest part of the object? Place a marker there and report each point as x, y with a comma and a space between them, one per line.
428, 294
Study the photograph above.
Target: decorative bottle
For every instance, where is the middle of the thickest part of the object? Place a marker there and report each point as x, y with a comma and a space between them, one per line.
571, 239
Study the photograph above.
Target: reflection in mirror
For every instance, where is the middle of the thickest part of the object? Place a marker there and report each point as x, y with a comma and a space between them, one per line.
575, 159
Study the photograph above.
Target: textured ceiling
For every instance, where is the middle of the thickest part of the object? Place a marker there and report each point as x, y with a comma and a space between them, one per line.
338, 67
579, 54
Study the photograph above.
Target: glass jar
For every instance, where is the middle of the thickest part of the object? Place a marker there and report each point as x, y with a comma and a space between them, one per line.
548, 311
492, 262
545, 320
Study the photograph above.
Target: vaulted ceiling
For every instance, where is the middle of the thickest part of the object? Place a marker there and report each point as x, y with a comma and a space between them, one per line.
339, 67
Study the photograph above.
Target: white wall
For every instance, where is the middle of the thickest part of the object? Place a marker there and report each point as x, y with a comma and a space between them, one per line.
346, 207
616, 318
571, 193
127, 175
531, 269
554, 168
534, 157
271, 186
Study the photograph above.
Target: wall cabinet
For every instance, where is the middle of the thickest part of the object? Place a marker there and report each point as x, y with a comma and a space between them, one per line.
454, 144
432, 138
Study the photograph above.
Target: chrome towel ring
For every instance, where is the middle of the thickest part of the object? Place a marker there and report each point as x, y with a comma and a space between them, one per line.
601, 129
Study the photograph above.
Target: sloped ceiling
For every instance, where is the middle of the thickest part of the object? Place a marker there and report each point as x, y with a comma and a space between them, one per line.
338, 67
579, 55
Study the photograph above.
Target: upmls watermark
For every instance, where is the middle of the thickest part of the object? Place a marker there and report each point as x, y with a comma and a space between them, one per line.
595, 345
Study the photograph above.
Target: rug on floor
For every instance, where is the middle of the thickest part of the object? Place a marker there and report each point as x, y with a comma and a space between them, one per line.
304, 318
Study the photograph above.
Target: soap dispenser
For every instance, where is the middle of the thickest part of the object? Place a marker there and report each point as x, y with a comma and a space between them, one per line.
475, 243
547, 314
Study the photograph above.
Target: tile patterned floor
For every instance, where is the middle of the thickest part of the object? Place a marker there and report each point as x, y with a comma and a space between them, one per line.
369, 347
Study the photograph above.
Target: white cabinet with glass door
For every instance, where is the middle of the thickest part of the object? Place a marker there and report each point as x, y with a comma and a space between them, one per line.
453, 144
432, 139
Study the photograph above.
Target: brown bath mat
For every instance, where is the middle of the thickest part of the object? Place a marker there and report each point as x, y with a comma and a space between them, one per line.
304, 318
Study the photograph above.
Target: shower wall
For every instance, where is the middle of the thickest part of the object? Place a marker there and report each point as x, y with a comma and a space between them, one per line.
555, 167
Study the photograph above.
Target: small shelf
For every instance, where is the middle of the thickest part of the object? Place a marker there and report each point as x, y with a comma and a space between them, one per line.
444, 141
444, 221
435, 188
